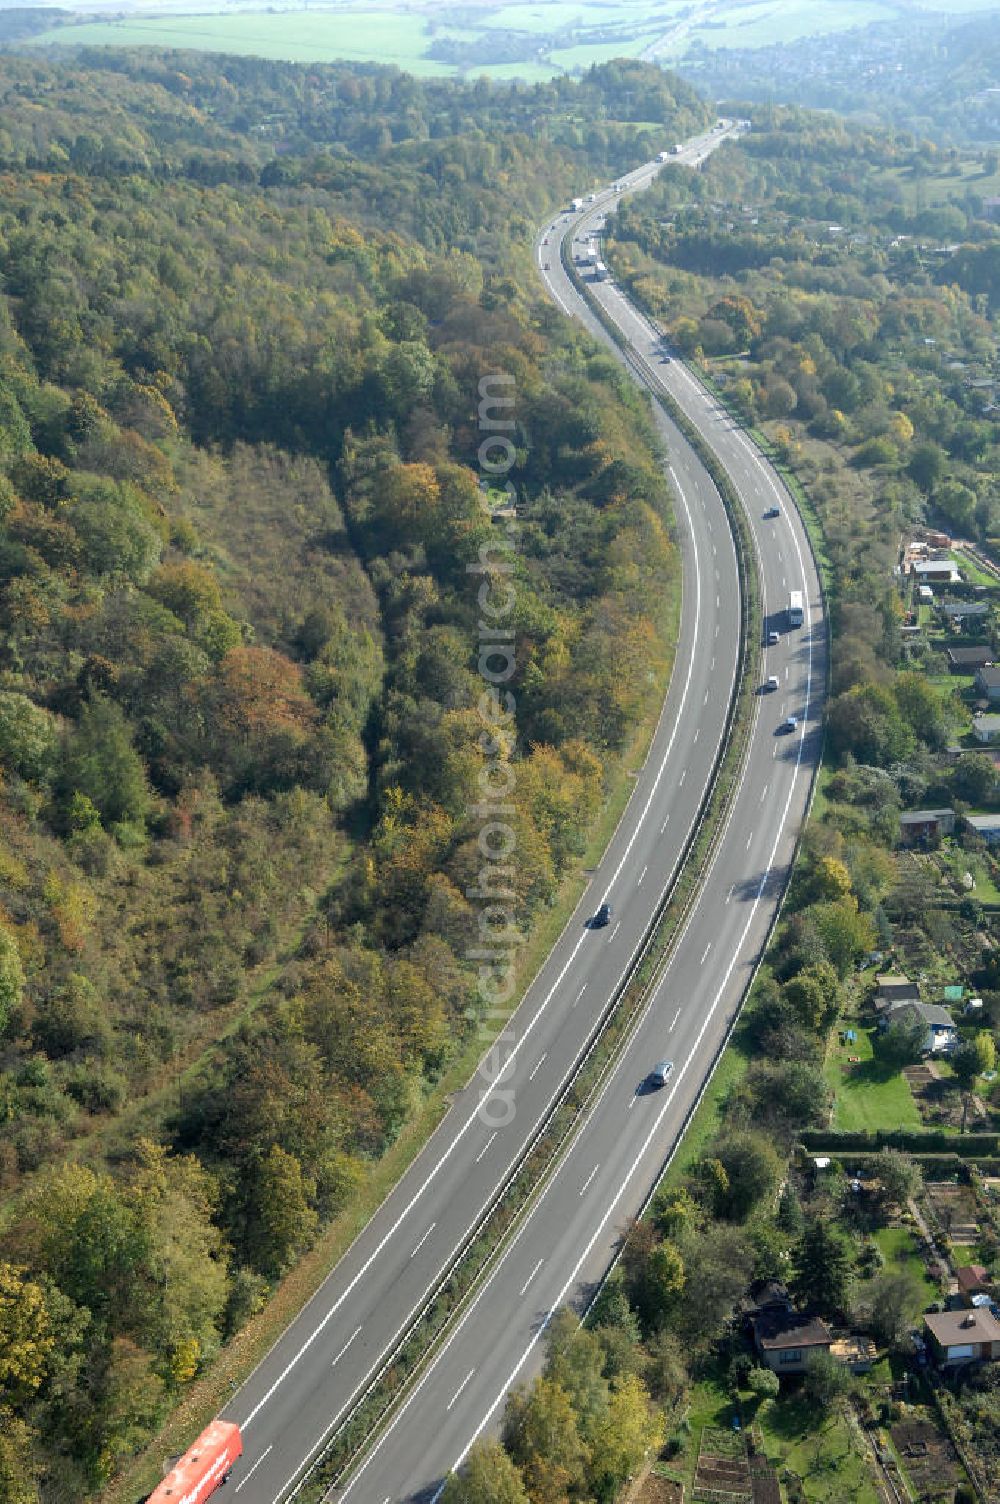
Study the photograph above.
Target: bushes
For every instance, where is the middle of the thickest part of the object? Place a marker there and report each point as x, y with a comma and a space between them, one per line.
928, 1141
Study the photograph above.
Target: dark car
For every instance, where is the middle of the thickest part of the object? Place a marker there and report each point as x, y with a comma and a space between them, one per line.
773, 512
788, 724
660, 1073
602, 917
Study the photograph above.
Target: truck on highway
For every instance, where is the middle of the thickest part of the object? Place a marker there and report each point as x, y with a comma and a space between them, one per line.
600, 272
576, 205
663, 156
206, 1463
795, 611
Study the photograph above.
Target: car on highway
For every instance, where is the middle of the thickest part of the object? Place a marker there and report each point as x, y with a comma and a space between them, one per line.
788, 724
661, 1072
602, 917
665, 360
545, 240
773, 638
772, 512
770, 683
545, 266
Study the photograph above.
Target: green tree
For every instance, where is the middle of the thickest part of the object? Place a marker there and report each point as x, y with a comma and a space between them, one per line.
630, 1428
26, 1337
576, 1361
753, 1169
899, 1043
973, 778
889, 1304
825, 1381
28, 738
282, 1219
900, 1178
925, 465
488, 1476
822, 1268
815, 993
100, 762
846, 932
764, 1383
974, 1058
11, 980
541, 1435
18, 1460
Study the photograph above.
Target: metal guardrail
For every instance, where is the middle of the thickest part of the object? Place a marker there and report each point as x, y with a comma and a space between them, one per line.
336, 1460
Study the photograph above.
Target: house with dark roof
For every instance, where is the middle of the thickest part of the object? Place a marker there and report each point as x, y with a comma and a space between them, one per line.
959, 1337
893, 988
968, 660
785, 1339
957, 613
918, 826
987, 827
987, 684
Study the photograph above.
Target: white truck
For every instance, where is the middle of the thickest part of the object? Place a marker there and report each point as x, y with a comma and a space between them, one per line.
795, 609
576, 205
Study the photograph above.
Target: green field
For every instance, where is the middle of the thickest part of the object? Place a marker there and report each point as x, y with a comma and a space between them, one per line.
294, 36
867, 1095
571, 34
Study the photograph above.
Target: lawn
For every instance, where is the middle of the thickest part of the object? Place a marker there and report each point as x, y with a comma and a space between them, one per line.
970, 569
898, 1246
822, 1450
867, 1095
708, 1116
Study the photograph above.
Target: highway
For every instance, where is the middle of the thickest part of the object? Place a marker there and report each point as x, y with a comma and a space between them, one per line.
327, 1357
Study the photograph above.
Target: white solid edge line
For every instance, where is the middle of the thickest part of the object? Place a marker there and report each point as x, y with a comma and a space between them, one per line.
531, 1024
725, 982
649, 1137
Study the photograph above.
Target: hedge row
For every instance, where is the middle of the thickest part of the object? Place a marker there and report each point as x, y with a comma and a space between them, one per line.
917, 1141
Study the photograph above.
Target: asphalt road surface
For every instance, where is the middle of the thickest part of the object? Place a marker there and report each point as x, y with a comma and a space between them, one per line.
328, 1356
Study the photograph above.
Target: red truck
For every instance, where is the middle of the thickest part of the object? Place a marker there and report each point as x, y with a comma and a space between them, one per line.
203, 1467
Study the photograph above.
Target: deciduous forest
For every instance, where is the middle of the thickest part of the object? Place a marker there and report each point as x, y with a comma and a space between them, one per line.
245, 312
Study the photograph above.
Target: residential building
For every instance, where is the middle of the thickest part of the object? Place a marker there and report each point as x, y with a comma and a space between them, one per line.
958, 1337
957, 612
986, 826
968, 660
893, 988
935, 571
987, 684
922, 825
986, 728
786, 1340
940, 1029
